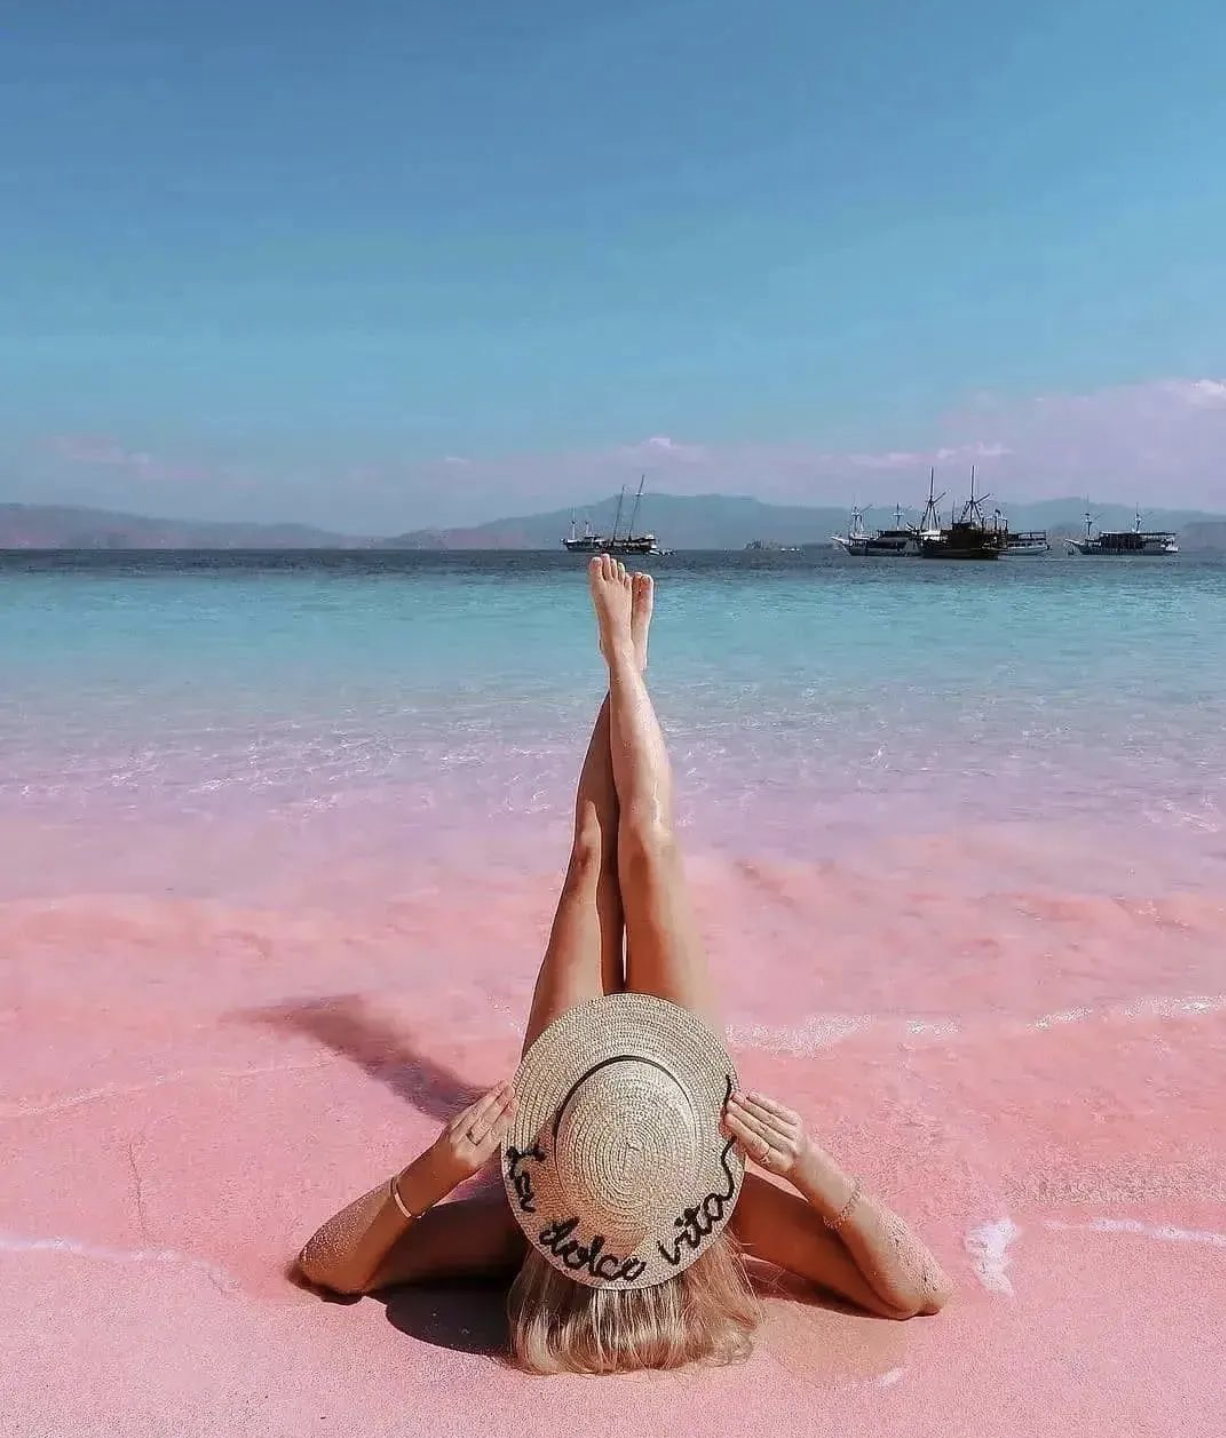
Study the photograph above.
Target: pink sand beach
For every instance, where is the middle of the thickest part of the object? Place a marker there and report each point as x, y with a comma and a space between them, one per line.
1032, 1072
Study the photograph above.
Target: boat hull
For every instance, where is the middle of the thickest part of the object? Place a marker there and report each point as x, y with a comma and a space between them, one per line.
893, 546
968, 549
942, 551
595, 545
1155, 549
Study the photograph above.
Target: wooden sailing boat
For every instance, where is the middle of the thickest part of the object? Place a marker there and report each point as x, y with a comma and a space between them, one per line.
969, 536
631, 543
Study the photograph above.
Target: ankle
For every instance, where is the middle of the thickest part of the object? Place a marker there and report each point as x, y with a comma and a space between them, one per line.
622, 654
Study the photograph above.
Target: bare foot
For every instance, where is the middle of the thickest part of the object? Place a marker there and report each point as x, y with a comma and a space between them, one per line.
642, 596
611, 598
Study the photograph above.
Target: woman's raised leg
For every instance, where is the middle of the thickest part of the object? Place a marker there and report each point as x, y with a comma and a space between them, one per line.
584, 956
664, 952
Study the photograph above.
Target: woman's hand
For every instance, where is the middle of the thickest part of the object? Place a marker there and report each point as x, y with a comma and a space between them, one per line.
771, 1135
468, 1141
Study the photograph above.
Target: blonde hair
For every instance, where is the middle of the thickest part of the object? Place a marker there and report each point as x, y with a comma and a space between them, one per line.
706, 1314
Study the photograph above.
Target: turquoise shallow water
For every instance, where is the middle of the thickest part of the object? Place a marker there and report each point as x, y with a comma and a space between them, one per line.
810, 700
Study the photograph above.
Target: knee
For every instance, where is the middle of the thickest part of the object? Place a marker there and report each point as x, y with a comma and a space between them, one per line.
645, 842
591, 853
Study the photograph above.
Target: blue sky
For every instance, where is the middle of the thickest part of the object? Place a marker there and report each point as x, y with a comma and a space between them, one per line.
376, 265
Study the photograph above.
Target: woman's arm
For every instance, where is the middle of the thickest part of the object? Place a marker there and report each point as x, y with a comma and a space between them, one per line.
371, 1242
829, 1232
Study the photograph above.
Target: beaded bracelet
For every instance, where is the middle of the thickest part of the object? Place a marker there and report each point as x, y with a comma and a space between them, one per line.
844, 1213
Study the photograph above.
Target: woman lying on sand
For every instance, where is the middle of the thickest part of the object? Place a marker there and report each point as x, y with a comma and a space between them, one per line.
623, 1137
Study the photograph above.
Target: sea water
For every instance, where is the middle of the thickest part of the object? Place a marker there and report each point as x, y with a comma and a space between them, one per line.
281, 835
810, 703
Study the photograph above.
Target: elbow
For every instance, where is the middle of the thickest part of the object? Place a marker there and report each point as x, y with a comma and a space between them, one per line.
921, 1302
320, 1270
927, 1301
937, 1293
899, 1311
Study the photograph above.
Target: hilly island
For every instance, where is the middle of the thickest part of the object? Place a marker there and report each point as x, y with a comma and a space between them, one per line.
694, 522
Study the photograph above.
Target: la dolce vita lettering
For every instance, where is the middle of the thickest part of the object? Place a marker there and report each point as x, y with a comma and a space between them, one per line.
697, 1223
556, 1238
521, 1177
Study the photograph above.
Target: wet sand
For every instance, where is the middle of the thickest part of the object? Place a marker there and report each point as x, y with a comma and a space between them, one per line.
1030, 1066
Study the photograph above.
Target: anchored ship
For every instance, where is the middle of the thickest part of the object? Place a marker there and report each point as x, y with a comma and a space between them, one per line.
1124, 541
900, 542
855, 541
590, 542
968, 537
1025, 541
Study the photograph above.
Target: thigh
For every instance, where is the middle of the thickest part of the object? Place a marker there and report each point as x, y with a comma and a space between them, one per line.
583, 958
665, 954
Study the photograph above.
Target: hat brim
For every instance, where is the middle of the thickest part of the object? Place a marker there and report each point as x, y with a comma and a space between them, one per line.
584, 1040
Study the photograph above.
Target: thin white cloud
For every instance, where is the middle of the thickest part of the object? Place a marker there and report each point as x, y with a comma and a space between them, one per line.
102, 452
1202, 393
662, 447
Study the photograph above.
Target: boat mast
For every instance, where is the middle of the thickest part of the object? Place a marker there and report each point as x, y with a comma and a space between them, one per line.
969, 512
634, 513
617, 518
930, 523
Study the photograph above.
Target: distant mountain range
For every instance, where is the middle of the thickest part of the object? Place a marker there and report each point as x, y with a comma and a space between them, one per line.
47, 526
714, 521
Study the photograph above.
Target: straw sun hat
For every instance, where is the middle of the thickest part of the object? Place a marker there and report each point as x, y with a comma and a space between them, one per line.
615, 1166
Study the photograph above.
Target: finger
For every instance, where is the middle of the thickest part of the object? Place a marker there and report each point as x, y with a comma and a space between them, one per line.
753, 1145
749, 1131
750, 1119
476, 1111
772, 1120
497, 1130
489, 1117
764, 1101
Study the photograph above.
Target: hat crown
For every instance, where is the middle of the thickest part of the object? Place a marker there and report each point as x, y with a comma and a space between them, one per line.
615, 1164
627, 1148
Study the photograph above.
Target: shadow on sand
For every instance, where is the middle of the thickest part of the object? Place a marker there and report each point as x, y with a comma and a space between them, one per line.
465, 1316
350, 1026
